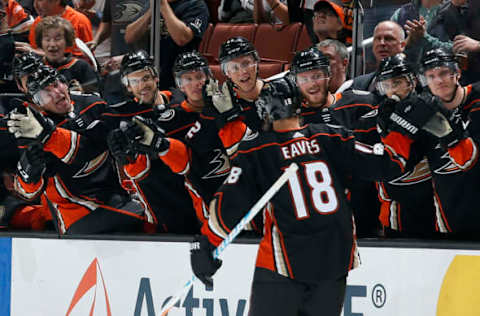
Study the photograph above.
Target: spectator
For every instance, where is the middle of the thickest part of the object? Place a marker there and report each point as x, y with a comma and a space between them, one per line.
117, 15
414, 10
457, 21
81, 24
183, 23
329, 22
13, 17
417, 19
257, 11
338, 56
54, 35
270, 11
388, 40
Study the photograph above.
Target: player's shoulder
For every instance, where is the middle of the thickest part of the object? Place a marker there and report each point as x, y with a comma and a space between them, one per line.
86, 99
355, 99
327, 131
473, 95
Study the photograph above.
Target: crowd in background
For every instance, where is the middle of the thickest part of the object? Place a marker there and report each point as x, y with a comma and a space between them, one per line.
74, 169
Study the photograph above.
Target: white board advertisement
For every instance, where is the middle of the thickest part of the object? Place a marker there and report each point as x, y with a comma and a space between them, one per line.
117, 278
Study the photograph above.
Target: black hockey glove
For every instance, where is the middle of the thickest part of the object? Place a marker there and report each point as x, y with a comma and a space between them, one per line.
31, 126
413, 114
201, 259
146, 136
120, 147
221, 101
31, 165
385, 109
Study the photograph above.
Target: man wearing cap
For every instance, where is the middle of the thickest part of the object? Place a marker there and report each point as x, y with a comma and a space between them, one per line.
329, 22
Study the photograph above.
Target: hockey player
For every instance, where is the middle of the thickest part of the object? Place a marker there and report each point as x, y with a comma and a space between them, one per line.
308, 245
66, 160
239, 62
407, 201
311, 71
453, 158
162, 191
201, 157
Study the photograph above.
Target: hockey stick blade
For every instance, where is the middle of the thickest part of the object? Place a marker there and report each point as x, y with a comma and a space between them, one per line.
236, 230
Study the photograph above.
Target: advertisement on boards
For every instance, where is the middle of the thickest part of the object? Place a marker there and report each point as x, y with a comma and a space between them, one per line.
116, 278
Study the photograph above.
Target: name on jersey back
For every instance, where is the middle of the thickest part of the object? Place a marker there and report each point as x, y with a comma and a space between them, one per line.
299, 148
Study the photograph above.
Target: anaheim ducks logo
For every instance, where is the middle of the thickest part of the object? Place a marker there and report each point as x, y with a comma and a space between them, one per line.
91, 166
420, 173
128, 11
167, 115
222, 165
449, 167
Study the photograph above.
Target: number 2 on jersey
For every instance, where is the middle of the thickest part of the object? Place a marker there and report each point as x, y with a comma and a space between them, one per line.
323, 196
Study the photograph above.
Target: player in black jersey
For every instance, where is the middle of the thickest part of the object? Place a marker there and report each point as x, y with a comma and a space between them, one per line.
407, 201
239, 62
65, 159
162, 192
311, 70
453, 158
308, 245
201, 157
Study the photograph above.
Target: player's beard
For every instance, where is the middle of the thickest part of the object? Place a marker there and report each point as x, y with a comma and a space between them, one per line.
319, 98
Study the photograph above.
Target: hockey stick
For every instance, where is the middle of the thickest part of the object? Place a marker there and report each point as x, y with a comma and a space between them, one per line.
236, 230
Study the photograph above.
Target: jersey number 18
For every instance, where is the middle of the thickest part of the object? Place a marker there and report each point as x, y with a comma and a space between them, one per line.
323, 196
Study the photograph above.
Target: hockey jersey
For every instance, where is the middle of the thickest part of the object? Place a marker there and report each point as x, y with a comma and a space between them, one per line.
79, 177
456, 172
161, 191
309, 231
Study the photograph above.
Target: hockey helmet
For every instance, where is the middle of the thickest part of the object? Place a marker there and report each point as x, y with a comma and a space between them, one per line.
40, 79
309, 59
393, 67
187, 62
279, 99
136, 61
438, 57
236, 47
25, 64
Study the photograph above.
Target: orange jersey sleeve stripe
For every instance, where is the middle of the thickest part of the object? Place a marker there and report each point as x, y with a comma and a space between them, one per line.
464, 154
138, 168
232, 133
177, 157
400, 143
63, 143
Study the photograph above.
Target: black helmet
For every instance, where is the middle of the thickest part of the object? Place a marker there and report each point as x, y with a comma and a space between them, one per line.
394, 66
42, 78
136, 61
279, 99
309, 59
437, 58
235, 47
189, 62
25, 64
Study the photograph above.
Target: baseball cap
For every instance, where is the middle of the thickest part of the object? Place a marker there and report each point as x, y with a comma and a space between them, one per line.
332, 5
